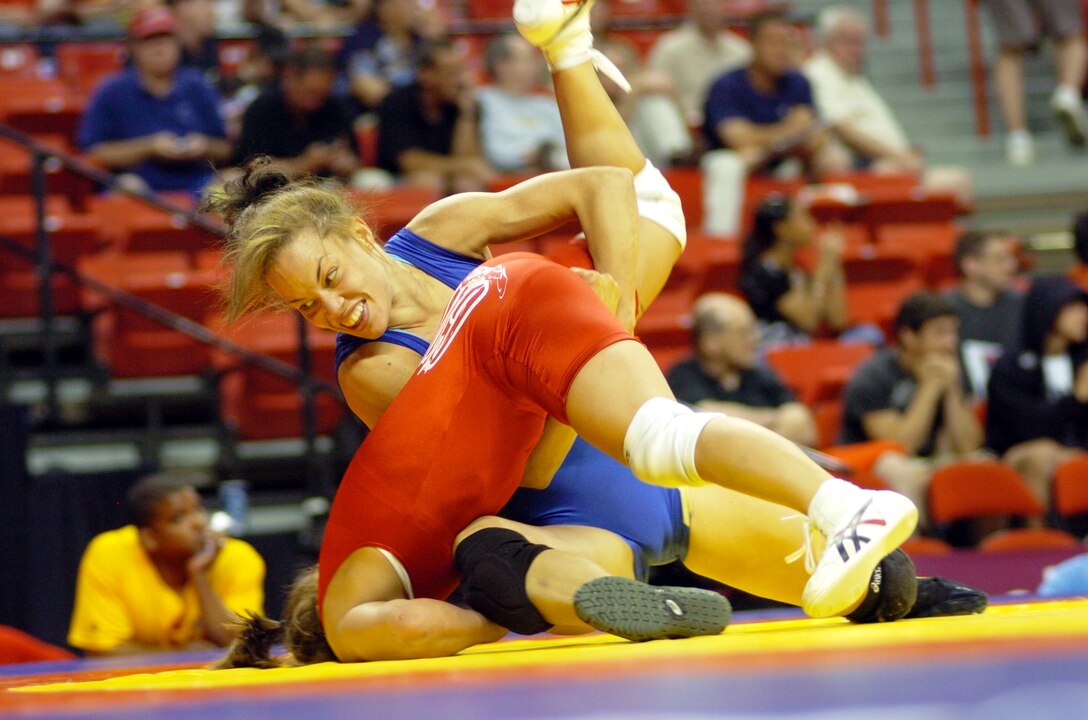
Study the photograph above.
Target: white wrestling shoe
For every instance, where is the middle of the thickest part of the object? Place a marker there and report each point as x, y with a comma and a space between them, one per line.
861, 527
560, 28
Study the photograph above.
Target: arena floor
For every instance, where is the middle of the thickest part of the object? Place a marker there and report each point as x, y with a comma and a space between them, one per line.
1018, 660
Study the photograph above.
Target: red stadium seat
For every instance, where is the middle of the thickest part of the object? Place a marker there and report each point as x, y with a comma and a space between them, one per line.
40, 106
133, 345
18, 60
388, 211
16, 168
1070, 489
135, 226
1027, 539
712, 262
643, 8
261, 405
489, 10
71, 235
921, 545
878, 302
688, 184
83, 65
978, 490
818, 372
931, 244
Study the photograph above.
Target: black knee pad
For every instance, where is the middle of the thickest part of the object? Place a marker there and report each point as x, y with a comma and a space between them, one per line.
493, 564
892, 591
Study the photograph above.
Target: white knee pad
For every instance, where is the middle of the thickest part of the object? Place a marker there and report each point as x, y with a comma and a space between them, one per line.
660, 443
659, 203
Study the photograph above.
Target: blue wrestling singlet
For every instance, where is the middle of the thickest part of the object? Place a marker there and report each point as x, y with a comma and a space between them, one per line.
589, 488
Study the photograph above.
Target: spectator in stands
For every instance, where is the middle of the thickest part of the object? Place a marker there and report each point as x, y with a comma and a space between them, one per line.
110, 17
300, 123
260, 69
987, 303
428, 132
724, 375
165, 582
790, 302
914, 392
652, 107
157, 123
764, 112
383, 52
1079, 272
324, 13
196, 33
1037, 415
857, 115
697, 52
1020, 26
520, 129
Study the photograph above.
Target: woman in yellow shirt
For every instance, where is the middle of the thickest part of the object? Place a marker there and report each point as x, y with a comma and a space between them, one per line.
166, 582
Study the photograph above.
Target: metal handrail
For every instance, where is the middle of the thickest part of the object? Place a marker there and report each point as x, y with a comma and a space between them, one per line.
46, 266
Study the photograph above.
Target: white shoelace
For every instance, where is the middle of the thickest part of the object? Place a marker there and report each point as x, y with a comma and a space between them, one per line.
609, 69
806, 551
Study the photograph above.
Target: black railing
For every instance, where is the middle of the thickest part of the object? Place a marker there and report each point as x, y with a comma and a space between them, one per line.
46, 266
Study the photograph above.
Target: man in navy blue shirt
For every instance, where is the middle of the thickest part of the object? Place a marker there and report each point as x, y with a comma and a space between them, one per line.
764, 112
157, 123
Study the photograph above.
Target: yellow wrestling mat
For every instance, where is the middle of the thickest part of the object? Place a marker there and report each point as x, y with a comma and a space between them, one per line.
1047, 627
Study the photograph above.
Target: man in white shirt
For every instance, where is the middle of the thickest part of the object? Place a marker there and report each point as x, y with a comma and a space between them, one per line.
859, 117
697, 52
520, 128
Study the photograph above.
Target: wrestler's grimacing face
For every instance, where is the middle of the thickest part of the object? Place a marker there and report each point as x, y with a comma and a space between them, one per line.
336, 283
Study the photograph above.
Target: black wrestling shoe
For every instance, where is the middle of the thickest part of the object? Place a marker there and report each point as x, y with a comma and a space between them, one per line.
939, 596
637, 611
892, 591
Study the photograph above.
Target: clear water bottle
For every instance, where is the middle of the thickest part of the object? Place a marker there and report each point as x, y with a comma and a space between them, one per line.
234, 498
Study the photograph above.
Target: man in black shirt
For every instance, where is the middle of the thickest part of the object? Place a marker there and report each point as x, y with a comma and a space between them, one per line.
428, 132
986, 302
724, 375
300, 123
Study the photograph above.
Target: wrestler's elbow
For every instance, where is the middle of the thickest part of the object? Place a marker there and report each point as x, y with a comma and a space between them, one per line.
410, 630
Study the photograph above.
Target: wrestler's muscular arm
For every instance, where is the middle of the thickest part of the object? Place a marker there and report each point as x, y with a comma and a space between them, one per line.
601, 199
367, 616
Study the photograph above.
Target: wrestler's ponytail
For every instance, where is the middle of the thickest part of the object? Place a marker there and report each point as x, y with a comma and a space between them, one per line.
252, 648
303, 633
259, 181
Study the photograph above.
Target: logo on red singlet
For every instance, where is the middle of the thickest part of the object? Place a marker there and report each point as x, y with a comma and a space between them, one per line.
470, 293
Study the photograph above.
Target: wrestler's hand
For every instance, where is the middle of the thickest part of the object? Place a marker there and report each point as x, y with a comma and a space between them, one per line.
608, 290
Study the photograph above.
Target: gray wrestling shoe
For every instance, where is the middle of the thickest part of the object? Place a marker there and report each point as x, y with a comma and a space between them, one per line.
637, 611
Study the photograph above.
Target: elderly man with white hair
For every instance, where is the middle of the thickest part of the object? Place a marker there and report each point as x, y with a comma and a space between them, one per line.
859, 117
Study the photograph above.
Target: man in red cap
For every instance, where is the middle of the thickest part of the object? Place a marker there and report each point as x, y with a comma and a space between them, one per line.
154, 121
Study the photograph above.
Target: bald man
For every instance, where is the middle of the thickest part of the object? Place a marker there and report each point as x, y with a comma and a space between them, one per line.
724, 375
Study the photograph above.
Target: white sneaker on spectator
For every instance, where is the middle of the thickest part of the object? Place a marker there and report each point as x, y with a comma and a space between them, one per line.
861, 528
1069, 109
1019, 148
